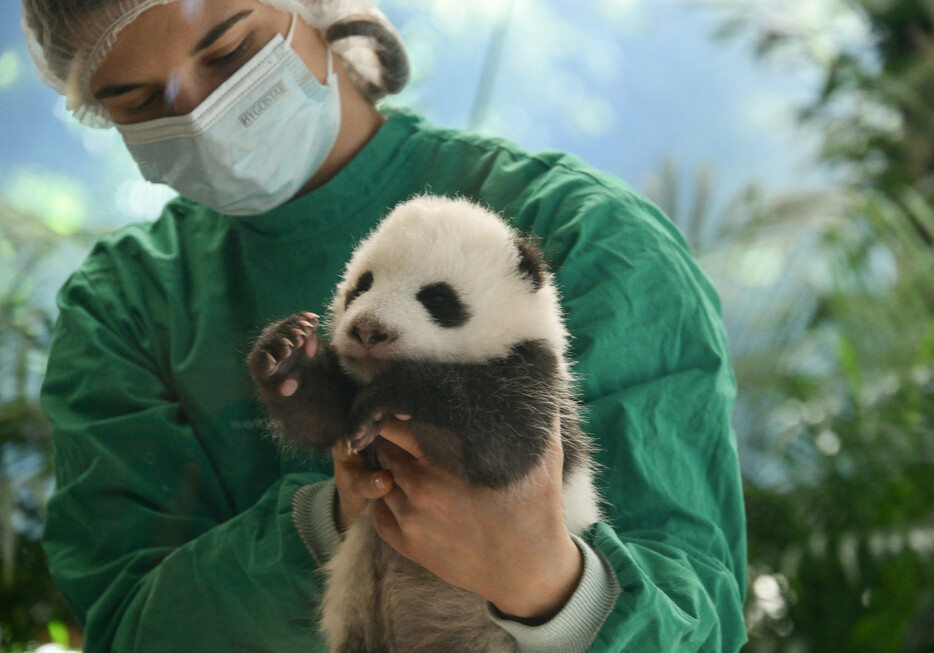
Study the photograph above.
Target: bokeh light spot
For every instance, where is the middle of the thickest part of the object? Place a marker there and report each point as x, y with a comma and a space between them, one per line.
59, 201
11, 68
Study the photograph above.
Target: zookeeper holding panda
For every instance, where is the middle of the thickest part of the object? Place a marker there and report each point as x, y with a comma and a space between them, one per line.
176, 525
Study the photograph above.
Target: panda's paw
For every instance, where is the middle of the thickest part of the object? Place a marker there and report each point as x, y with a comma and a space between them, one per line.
365, 432
279, 352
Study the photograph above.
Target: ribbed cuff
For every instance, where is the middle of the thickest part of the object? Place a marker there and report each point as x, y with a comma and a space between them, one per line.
574, 628
313, 516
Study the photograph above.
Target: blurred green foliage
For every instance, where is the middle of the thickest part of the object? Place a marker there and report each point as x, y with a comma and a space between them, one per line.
836, 407
29, 601
842, 544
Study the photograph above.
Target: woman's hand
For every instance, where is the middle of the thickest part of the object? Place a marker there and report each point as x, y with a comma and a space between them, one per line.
357, 484
510, 546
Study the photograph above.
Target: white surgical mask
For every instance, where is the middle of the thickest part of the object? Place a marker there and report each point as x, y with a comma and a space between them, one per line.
253, 142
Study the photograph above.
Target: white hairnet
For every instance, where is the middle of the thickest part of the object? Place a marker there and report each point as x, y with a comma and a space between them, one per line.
69, 40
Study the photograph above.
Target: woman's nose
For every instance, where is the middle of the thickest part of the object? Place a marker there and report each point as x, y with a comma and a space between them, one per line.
185, 91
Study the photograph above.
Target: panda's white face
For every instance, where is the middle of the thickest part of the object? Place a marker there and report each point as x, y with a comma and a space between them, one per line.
441, 280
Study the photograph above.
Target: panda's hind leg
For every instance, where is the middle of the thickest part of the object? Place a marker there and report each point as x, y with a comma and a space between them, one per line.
350, 618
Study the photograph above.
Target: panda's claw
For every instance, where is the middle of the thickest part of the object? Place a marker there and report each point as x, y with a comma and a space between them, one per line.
365, 435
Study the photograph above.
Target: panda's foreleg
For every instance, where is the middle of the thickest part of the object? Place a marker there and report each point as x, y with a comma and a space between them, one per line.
301, 383
487, 422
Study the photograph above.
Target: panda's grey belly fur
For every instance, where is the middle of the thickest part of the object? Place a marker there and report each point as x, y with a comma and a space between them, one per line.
489, 422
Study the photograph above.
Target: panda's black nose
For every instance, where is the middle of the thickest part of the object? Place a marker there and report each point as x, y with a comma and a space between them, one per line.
368, 336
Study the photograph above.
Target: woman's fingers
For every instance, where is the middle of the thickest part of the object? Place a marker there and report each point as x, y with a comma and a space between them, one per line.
397, 431
357, 484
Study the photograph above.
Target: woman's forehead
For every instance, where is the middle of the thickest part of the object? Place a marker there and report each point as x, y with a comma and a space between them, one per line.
169, 32
186, 17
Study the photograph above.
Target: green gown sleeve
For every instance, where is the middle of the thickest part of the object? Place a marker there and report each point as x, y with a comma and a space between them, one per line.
144, 538
656, 378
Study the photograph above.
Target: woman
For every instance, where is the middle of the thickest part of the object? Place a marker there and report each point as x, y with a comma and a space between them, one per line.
175, 525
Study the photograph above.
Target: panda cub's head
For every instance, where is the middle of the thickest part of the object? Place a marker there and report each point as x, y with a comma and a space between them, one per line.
442, 280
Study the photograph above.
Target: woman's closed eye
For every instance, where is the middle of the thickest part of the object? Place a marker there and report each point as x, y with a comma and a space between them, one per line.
232, 56
148, 102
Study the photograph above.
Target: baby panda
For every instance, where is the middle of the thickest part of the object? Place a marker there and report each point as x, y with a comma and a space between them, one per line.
447, 316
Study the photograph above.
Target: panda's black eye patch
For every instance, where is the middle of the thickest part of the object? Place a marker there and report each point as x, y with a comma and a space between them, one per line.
443, 304
364, 283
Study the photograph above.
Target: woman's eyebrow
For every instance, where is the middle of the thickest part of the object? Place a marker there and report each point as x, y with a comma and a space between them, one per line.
206, 41
218, 31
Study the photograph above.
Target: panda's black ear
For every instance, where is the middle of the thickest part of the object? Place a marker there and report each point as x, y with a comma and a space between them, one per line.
532, 265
